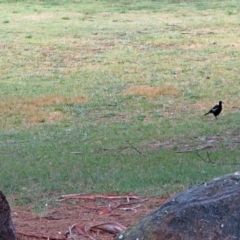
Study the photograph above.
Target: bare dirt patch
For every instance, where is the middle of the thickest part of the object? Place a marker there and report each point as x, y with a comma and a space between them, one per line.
152, 91
82, 212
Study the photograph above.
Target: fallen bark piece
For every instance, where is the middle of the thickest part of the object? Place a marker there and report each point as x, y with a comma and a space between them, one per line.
110, 227
7, 231
93, 197
207, 211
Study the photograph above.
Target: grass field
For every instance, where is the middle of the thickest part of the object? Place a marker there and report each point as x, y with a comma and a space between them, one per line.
100, 96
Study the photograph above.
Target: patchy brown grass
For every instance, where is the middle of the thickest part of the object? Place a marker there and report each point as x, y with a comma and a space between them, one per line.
25, 111
152, 91
56, 99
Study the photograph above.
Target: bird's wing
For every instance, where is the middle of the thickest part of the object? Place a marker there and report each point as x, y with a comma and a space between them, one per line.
215, 108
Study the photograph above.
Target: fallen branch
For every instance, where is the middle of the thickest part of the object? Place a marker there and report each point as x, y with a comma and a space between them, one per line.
201, 157
93, 197
109, 208
131, 209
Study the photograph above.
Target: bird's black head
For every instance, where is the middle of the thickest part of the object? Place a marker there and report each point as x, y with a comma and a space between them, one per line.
220, 102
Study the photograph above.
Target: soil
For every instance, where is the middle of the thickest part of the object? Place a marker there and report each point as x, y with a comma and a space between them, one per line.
93, 217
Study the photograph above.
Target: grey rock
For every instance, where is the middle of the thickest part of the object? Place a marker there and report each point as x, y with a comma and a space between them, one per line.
7, 231
210, 211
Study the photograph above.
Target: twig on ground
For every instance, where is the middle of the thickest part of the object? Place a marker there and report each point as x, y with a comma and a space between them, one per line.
129, 203
70, 228
201, 157
134, 147
109, 149
131, 209
194, 149
200, 60
109, 208
209, 159
220, 159
93, 197
206, 161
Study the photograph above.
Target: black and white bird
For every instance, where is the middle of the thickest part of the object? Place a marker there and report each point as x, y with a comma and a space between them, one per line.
216, 109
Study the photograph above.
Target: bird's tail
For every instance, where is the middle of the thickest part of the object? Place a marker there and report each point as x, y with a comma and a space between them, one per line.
206, 113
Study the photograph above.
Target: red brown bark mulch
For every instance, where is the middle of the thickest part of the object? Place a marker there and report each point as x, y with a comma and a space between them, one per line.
98, 217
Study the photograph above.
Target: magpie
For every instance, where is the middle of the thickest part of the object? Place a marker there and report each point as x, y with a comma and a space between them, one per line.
216, 109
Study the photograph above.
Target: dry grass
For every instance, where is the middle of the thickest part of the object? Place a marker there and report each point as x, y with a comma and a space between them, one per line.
54, 99
26, 112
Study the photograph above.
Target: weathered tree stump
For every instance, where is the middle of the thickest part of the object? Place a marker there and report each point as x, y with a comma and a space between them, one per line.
7, 231
210, 211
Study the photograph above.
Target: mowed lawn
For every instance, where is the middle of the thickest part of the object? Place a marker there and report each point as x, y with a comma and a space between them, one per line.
109, 96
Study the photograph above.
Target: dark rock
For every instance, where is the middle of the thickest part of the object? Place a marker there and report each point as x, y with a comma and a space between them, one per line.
210, 211
7, 231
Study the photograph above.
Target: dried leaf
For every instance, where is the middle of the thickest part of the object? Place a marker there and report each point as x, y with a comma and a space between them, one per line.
104, 210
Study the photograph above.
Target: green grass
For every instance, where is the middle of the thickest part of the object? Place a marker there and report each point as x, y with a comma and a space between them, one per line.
66, 113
